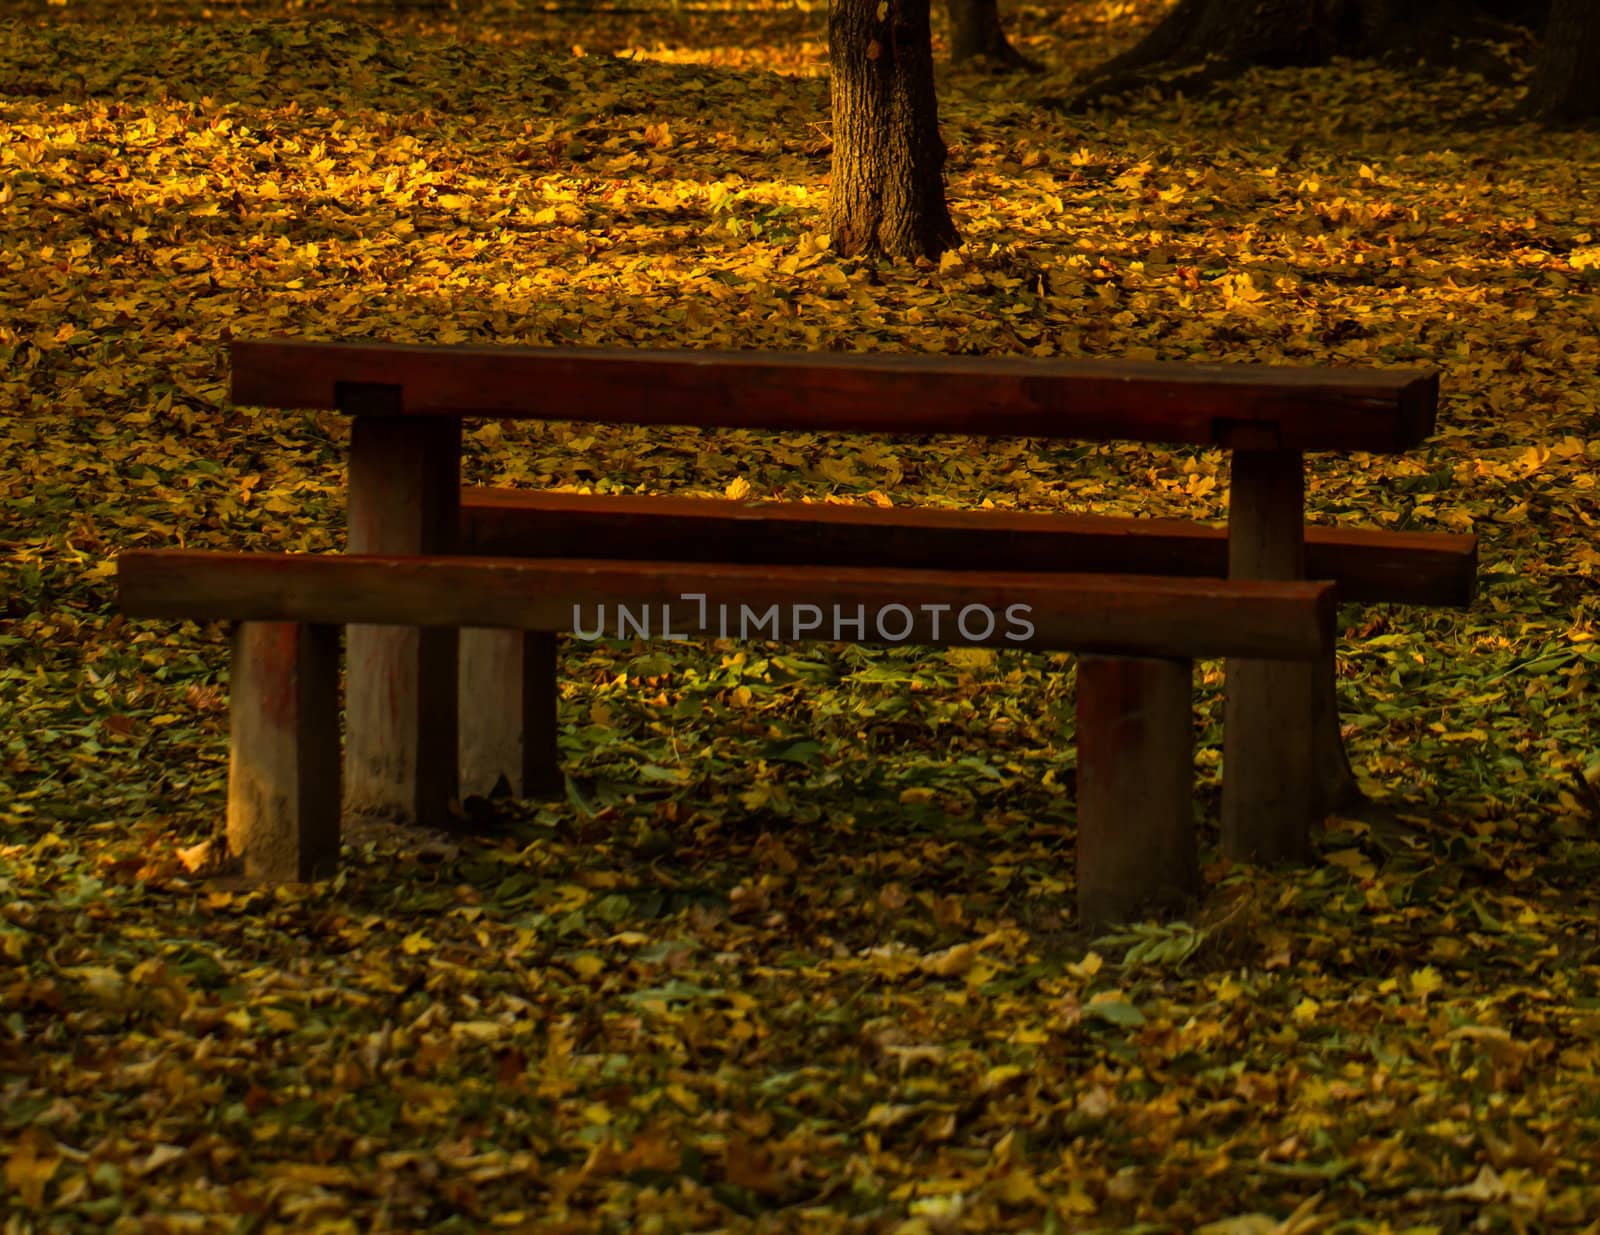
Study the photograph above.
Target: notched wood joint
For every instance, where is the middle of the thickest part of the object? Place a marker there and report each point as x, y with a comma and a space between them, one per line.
1247, 434
368, 398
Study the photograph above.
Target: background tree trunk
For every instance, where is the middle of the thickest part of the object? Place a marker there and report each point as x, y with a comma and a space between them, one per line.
888, 158
1566, 79
1200, 42
975, 30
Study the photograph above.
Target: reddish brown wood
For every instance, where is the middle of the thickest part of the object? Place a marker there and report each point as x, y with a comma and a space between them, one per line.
1115, 614
1423, 568
508, 719
1246, 405
401, 693
1270, 790
1136, 842
283, 770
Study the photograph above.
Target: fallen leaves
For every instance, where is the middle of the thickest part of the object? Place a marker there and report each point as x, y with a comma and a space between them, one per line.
795, 947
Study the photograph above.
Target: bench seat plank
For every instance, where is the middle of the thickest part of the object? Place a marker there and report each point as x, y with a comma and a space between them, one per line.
1233, 405
1137, 845
1422, 568
1127, 615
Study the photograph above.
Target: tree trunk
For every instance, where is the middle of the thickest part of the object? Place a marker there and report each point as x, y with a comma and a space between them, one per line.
1200, 42
888, 158
1274, 33
1566, 80
975, 31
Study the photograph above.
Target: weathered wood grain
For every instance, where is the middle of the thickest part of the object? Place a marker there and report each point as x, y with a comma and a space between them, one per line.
1420, 568
1113, 614
1245, 405
283, 758
1136, 842
405, 480
508, 713
1270, 791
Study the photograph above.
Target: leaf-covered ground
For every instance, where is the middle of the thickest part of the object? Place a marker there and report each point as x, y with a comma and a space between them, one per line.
796, 952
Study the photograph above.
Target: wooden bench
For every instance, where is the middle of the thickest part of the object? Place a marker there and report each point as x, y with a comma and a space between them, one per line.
1418, 568
1138, 636
1284, 763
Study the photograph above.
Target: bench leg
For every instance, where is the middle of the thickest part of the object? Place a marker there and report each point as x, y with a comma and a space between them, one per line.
283, 769
508, 713
1136, 840
1270, 794
1335, 781
400, 694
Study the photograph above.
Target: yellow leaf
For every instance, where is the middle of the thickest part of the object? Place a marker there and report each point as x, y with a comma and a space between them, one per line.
478, 1031
1307, 1009
1243, 1224
738, 489
416, 942
883, 10
1354, 861
310, 1173
28, 1169
587, 965
1425, 981
1000, 1077
950, 963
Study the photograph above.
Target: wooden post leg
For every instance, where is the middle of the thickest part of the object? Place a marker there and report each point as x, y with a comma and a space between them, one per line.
400, 735
1270, 792
283, 770
1335, 781
1136, 841
508, 701
541, 758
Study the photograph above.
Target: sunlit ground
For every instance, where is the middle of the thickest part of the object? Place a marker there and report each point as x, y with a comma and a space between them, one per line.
796, 951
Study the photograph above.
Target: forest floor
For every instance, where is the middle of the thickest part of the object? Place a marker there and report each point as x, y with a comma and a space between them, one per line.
795, 953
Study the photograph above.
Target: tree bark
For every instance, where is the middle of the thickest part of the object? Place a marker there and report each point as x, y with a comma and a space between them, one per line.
1566, 79
1201, 42
888, 158
975, 31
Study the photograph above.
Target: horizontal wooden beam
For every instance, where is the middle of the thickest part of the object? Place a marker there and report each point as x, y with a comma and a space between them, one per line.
1253, 406
1420, 568
1113, 615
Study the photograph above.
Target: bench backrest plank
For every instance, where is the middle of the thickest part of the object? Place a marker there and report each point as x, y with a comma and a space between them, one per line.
1233, 405
1113, 614
1425, 568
